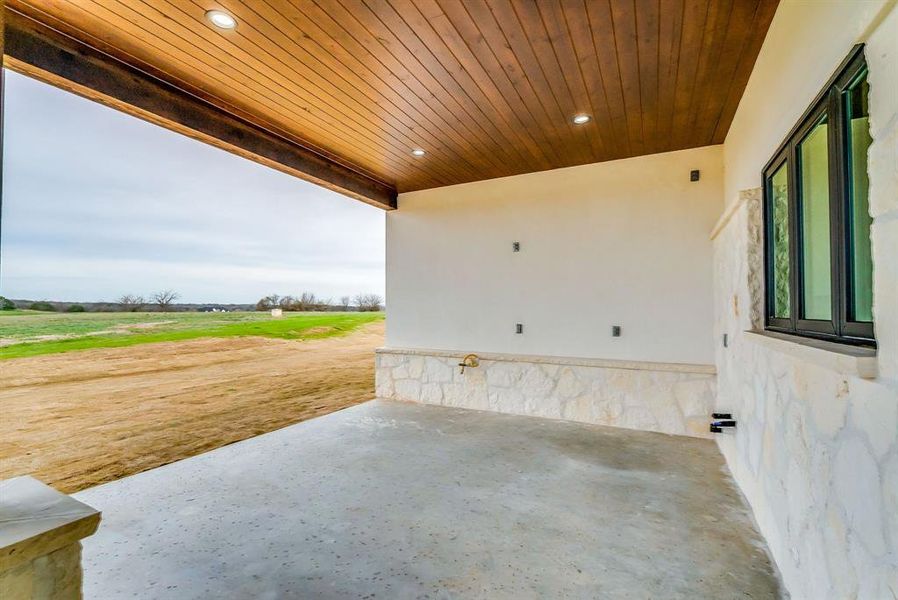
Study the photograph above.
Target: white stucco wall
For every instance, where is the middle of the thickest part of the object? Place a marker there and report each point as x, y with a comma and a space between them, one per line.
616, 243
816, 448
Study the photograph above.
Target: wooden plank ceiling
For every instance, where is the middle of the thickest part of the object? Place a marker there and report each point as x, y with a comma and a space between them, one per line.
487, 88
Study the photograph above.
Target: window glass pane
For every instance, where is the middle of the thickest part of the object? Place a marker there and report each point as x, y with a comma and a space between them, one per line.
860, 264
816, 271
779, 194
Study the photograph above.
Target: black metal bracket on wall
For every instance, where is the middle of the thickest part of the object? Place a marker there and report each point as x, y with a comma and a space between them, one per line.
722, 420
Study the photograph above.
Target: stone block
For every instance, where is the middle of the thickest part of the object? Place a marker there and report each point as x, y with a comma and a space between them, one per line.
415, 366
432, 393
884, 240
858, 488
400, 371
843, 580
827, 399
695, 397
569, 384
57, 576
507, 400
408, 390
385, 359
874, 411
578, 409
883, 173
16, 583
535, 383
454, 394
640, 418
609, 412
890, 496
437, 370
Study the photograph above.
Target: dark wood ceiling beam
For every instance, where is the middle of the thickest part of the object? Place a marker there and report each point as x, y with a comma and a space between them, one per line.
42, 52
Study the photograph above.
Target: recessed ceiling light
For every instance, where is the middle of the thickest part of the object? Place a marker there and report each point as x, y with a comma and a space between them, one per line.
221, 19
581, 119
418, 152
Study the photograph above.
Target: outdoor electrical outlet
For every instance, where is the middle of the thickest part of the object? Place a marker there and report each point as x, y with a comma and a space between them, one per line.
516, 246
519, 328
615, 331
694, 175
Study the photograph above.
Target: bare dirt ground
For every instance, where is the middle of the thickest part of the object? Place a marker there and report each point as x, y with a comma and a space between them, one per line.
79, 419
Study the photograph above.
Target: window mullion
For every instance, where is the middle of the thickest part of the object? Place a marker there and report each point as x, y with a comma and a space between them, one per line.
838, 202
794, 238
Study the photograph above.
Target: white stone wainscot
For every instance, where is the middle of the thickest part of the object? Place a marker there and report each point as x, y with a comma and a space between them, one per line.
663, 397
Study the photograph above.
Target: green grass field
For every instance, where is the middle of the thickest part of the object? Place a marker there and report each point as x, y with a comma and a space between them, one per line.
30, 333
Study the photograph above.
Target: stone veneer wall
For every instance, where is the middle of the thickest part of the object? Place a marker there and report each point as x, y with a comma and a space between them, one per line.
668, 398
816, 448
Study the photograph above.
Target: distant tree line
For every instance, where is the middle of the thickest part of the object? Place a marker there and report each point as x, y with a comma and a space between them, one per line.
131, 303
162, 300
307, 301
42, 305
165, 301
369, 302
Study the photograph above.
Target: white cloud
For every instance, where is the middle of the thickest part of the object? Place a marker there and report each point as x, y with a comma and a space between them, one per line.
97, 203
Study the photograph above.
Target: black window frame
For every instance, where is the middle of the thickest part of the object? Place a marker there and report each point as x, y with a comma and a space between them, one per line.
831, 103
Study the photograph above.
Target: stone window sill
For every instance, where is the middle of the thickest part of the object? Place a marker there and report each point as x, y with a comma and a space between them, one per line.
853, 361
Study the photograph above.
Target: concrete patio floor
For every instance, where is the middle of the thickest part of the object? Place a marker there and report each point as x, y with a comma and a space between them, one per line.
392, 500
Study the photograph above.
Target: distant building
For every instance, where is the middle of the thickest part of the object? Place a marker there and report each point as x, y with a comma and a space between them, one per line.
207, 309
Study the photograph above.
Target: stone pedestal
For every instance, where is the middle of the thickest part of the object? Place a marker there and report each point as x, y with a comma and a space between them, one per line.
40, 541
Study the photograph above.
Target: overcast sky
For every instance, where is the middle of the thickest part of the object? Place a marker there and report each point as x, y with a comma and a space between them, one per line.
97, 204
